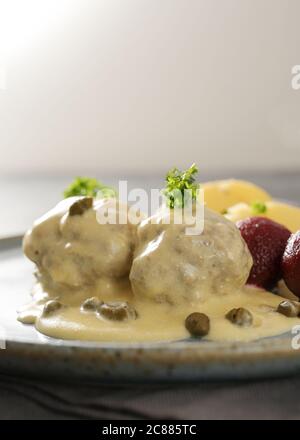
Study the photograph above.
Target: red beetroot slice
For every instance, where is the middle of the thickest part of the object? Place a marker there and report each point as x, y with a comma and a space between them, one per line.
266, 241
291, 264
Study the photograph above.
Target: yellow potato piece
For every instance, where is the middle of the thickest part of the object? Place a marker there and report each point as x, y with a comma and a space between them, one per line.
221, 194
240, 211
287, 215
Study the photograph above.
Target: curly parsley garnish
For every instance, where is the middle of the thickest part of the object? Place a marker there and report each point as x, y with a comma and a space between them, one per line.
86, 186
178, 182
258, 207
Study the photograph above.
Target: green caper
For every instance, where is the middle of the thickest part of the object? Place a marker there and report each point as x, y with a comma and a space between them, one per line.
91, 304
51, 307
82, 205
290, 309
117, 311
240, 316
197, 324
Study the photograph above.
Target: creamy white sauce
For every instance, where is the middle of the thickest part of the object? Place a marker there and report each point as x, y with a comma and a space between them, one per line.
159, 322
77, 259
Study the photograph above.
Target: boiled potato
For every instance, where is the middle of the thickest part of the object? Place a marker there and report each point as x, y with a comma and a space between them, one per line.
221, 194
287, 215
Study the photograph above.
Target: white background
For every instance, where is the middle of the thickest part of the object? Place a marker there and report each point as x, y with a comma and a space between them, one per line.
141, 85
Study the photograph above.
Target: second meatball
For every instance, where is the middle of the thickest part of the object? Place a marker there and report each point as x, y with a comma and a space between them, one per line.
171, 266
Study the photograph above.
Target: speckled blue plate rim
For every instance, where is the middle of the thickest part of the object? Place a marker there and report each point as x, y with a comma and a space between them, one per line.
185, 360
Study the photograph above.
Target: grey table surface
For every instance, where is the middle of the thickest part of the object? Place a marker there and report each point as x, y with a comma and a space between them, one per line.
24, 199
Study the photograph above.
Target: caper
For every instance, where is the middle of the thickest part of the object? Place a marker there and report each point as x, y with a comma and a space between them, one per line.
51, 306
91, 304
290, 309
82, 205
117, 311
240, 316
197, 324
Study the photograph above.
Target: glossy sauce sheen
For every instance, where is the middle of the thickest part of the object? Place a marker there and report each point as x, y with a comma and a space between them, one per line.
161, 322
63, 249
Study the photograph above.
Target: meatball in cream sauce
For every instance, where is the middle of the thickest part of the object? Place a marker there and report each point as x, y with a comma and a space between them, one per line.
70, 247
170, 265
128, 283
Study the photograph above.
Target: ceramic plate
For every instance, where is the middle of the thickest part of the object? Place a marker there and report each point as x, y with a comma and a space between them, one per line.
29, 353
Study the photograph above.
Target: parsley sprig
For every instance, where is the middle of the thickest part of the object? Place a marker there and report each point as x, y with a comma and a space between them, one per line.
258, 207
178, 182
86, 186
